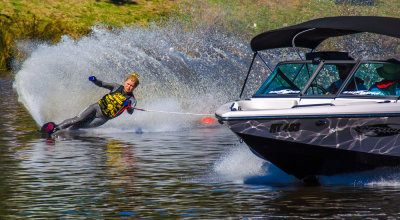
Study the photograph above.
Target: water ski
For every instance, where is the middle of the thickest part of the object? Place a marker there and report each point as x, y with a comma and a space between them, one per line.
48, 128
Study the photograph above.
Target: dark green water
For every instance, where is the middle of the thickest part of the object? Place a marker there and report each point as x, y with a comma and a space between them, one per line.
198, 172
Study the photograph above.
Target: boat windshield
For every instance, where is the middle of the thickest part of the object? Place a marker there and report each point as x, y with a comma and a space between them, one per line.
377, 78
287, 78
371, 78
330, 79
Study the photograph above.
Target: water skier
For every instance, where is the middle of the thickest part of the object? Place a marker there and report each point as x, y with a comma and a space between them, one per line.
119, 99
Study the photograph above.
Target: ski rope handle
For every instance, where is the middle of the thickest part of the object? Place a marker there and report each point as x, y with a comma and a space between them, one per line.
127, 105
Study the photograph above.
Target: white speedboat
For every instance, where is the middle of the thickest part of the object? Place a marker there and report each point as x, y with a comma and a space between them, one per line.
327, 114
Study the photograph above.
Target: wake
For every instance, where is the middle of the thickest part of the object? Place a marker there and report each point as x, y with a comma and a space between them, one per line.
181, 70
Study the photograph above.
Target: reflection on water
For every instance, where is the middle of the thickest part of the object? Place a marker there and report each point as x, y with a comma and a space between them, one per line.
199, 172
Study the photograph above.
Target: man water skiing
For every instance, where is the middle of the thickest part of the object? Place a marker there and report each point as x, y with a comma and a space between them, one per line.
110, 106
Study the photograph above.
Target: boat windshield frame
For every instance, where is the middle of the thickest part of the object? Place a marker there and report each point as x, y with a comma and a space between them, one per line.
277, 72
373, 77
318, 71
342, 91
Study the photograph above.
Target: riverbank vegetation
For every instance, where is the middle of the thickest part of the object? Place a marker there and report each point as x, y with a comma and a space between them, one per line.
250, 17
49, 20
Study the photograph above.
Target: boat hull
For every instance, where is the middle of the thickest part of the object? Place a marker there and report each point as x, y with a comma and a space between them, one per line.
323, 146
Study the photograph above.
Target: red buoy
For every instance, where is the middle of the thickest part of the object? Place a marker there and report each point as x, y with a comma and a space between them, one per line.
208, 120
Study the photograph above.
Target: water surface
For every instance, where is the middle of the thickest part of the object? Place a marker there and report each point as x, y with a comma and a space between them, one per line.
175, 167
198, 171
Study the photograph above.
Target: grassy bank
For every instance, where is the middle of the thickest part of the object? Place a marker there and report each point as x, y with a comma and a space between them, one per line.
250, 17
49, 20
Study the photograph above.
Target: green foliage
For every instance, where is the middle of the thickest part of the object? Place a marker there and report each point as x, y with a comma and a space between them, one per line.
6, 40
246, 18
49, 20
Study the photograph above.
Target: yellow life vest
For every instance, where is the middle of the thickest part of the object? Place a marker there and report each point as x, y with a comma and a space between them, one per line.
112, 103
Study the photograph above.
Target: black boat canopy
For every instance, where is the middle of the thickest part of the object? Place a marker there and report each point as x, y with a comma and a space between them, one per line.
316, 31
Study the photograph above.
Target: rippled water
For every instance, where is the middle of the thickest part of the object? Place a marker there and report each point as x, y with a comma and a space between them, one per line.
197, 172
176, 168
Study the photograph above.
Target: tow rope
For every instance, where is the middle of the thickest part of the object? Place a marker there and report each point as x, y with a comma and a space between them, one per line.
180, 113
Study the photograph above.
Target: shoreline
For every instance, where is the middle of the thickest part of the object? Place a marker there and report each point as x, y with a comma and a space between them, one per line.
49, 21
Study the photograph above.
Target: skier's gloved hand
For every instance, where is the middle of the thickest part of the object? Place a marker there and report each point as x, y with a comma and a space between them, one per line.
92, 78
127, 103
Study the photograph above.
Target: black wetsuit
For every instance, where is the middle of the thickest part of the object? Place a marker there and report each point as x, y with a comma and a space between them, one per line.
108, 107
